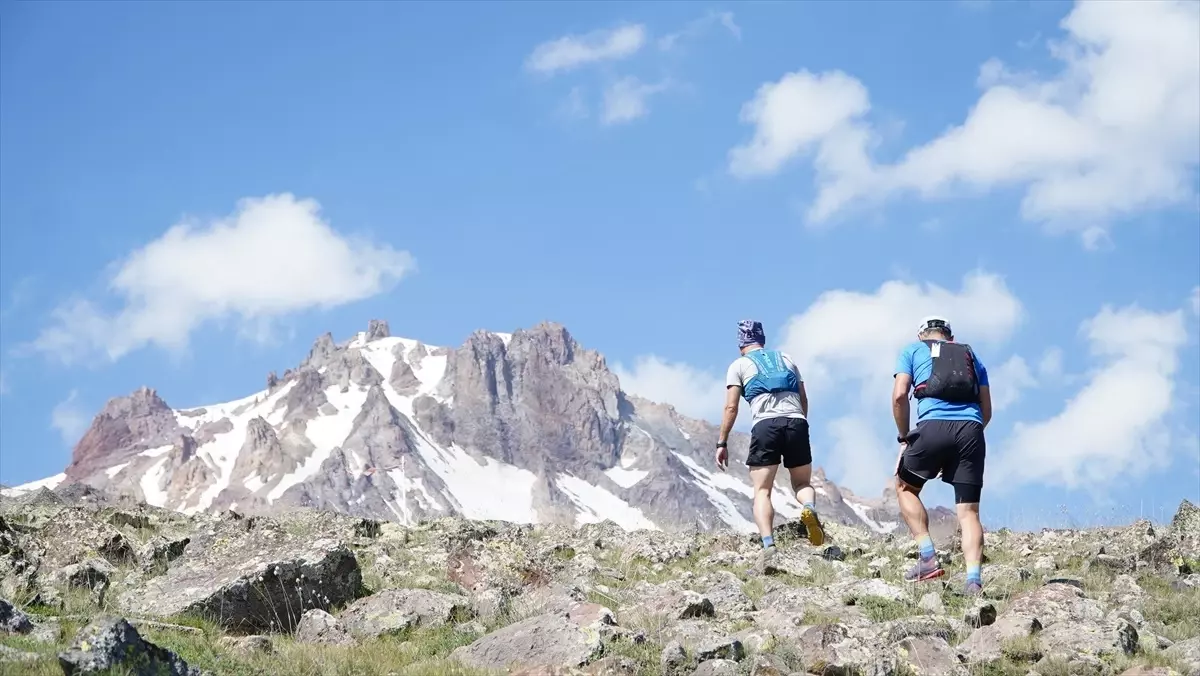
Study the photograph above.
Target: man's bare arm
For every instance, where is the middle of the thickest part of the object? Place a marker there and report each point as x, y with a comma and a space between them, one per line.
803, 400
985, 404
900, 411
732, 394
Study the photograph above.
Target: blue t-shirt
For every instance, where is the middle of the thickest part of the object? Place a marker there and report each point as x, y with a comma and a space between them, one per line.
917, 362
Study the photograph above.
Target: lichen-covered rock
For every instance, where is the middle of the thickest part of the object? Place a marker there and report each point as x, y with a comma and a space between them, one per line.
255, 583
318, 626
395, 610
254, 644
928, 656
113, 644
13, 620
541, 641
1188, 654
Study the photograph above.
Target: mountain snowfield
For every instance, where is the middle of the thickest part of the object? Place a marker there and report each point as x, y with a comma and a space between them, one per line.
527, 427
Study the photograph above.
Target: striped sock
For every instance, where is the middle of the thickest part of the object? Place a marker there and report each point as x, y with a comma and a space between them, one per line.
925, 545
809, 505
975, 573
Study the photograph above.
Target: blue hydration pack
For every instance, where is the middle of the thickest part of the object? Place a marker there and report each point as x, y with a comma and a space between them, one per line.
773, 375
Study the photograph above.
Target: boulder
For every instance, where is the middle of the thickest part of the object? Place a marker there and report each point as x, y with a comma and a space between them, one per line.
254, 584
112, 644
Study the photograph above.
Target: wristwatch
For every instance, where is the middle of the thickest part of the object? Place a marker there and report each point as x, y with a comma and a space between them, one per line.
903, 439
722, 444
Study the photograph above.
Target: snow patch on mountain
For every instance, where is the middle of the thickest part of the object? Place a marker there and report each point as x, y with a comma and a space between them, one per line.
596, 504
625, 478
50, 482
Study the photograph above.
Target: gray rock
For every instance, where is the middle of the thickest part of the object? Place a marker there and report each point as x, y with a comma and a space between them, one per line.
670, 601
984, 644
1188, 654
928, 656
254, 583
13, 656
727, 596
396, 610
981, 614
541, 641
673, 657
113, 643
254, 644
13, 620
931, 602
318, 626
92, 574
705, 641
717, 667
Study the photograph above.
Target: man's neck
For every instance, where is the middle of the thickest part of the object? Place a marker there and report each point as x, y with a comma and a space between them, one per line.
751, 348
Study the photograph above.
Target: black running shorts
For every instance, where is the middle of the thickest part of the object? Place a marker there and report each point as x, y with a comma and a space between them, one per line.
776, 439
955, 448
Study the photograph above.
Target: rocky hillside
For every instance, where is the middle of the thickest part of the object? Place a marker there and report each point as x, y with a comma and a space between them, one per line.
97, 584
528, 427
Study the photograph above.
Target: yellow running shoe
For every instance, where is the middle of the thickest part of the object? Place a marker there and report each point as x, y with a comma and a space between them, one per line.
812, 524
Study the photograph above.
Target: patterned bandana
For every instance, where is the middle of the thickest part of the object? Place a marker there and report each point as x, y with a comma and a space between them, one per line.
750, 332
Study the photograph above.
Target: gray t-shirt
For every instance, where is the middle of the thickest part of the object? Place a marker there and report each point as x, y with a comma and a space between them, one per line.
768, 404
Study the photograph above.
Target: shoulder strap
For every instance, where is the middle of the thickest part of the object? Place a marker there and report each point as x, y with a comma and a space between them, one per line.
756, 357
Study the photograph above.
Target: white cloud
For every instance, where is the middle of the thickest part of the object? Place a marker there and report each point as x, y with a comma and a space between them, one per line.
69, 419
794, 114
1114, 426
625, 100
1051, 364
1008, 381
848, 337
692, 391
271, 257
572, 51
1194, 301
1114, 132
698, 27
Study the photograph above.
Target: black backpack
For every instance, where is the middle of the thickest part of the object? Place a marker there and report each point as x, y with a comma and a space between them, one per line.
953, 378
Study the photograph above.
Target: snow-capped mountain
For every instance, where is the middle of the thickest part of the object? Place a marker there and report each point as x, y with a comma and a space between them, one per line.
524, 427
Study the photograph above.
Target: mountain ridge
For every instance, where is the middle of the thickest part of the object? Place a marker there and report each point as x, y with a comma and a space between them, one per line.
528, 427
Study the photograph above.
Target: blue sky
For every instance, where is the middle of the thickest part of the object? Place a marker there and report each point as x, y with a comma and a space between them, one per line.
646, 174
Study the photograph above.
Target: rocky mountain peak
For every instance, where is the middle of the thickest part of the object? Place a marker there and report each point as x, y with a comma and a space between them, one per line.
378, 328
322, 351
127, 424
529, 427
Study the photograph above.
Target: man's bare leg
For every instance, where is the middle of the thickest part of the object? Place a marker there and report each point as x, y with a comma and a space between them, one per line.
972, 541
917, 519
805, 494
762, 478
912, 509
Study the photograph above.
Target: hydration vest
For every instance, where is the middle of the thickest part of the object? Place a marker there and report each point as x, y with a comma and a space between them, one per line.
773, 375
953, 378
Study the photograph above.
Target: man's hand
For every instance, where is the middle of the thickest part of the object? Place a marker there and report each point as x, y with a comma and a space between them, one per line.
722, 458
900, 457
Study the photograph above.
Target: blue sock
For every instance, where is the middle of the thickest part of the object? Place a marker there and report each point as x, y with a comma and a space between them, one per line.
974, 573
925, 544
809, 505
768, 541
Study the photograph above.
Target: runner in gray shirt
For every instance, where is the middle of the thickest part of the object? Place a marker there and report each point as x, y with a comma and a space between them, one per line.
771, 383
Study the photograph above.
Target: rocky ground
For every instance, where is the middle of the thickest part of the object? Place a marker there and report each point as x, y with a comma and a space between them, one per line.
93, 586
